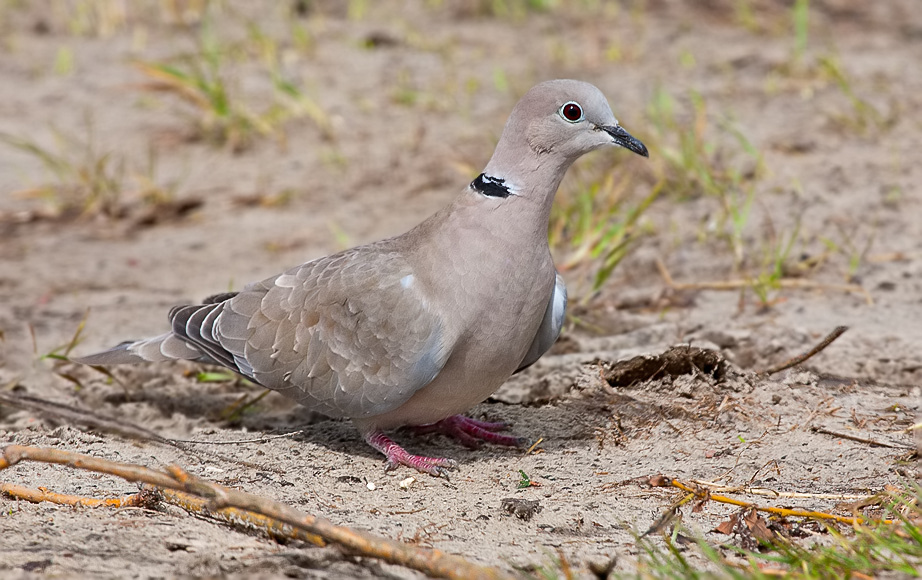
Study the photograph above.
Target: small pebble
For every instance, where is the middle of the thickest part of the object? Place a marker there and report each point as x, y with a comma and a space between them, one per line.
521, 508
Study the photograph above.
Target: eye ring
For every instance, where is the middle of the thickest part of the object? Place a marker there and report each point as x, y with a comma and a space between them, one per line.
571, 112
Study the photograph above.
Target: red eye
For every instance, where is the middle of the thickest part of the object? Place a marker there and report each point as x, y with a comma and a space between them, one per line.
571, 112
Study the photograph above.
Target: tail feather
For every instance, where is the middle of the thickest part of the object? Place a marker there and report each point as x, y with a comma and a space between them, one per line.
159, 348
195, 325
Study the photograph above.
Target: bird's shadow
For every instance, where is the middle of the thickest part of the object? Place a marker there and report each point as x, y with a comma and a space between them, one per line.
339, 435
237, 405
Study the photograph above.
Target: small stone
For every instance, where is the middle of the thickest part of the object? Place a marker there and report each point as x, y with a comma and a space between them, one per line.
521, 508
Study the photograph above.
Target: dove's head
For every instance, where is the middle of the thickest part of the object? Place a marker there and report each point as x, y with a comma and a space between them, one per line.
551, 126
569, 118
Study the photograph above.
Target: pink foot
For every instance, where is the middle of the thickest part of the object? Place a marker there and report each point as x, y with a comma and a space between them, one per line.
471, 432
397, 455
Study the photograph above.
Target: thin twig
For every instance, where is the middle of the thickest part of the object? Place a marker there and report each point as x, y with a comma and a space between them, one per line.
75, 415
773, 493
738, 284
820, 347
870, 442
429, 561
534, 446
263, 439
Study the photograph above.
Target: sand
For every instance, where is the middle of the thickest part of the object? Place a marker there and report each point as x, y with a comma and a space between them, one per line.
414, 97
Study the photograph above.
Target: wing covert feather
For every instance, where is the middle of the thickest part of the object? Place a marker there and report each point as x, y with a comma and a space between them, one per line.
349, 335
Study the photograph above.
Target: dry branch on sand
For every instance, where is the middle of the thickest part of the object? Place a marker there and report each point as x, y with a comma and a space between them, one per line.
232, 505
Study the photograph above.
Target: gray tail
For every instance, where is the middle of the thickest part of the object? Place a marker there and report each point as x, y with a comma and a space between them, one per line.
159, 348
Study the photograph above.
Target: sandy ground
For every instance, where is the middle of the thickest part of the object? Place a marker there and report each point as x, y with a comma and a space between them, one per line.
414, 98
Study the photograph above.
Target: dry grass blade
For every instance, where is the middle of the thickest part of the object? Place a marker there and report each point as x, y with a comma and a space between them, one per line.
206, 79
790, 283
429, 561
774, 493
86, 181
63, 352
594, 225
909, 429
165, 78
784, 512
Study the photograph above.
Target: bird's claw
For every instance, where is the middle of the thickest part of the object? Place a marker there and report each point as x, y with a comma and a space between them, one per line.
397, 455
469, 432
472, 433
435, 466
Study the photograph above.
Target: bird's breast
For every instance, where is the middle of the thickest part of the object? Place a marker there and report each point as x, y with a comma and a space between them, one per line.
492, 321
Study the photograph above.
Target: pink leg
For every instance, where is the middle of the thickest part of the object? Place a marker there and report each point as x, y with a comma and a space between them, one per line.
471, 432
397, 455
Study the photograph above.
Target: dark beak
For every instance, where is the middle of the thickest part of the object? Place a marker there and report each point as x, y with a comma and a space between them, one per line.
625, 139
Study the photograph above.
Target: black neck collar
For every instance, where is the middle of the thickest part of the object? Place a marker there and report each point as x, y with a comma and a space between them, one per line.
491, 186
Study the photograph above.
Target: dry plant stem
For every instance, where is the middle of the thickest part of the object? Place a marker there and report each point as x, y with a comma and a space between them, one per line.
794, 283
41, 494
429, 561
264, 439
236, 517
870, 442
829, 339
772, 493
785, 512
190, 503
13, 454
534, 446
74, 415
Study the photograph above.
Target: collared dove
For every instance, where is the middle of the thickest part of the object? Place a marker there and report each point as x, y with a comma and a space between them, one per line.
415, 329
